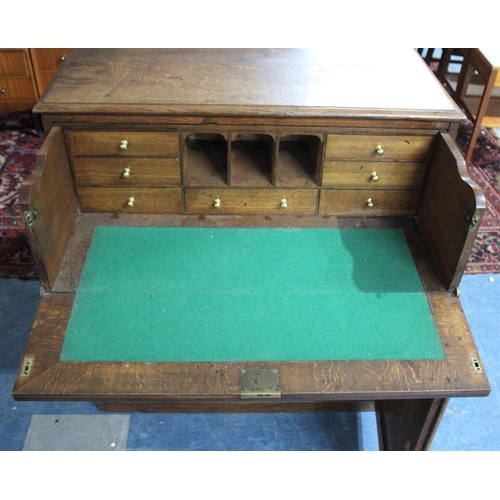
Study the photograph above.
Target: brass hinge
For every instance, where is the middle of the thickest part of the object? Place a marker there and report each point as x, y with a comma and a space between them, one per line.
469, 216
260, 383
31, 216
473, 222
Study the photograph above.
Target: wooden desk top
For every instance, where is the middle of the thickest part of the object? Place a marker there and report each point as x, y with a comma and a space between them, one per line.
259, 82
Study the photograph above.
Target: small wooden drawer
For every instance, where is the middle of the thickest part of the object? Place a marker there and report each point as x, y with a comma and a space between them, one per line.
16, 89
110, 143
130, 200
251, 201
14, 62
373, 175
368, 202
127, 171
379, 147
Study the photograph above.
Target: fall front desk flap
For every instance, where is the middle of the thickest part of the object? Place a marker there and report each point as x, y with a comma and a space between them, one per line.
152, 294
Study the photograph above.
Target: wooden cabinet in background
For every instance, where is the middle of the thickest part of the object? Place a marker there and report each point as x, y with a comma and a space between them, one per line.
25, 74
46, 64
18, 90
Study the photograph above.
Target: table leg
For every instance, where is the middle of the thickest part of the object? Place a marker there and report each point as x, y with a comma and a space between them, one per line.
408, 424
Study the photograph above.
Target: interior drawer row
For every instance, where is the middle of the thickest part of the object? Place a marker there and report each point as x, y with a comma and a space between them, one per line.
226, 201
153, 158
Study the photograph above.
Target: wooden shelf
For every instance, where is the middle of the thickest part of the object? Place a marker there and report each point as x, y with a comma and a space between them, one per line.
298, 161
206, 160
252, 160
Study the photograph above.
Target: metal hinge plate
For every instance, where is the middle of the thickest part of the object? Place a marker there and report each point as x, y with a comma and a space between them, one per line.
31, 216
260, 383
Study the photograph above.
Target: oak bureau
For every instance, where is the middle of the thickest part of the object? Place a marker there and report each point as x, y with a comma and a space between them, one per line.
295, 162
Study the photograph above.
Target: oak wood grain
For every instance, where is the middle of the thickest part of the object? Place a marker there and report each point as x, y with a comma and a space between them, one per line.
356, 202
90, 143
220, 382
364, 147
251, 201
142, 171
358, 174
276, 115
450, 201
50, 189
145, 200
303, 82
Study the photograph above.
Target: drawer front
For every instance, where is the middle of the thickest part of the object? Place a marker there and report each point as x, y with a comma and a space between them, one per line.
106, 143
50, 60
14, 63
142, 200
16, 89
251, 201
127, 171
357, 202
373, 175
392, 147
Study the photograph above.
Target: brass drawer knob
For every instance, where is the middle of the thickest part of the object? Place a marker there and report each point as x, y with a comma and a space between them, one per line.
379, 150
3, 90
217, 203
124, 145
374, 176
284, 204
131, 202
63, 57
126, 173
369, 203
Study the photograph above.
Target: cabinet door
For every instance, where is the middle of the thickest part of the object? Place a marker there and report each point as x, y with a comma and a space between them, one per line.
17, 86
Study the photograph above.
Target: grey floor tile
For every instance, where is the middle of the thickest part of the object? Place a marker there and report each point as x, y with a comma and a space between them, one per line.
473, 423
77, 433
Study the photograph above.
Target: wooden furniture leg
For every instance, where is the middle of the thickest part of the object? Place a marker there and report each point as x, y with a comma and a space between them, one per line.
481, 112
408, 424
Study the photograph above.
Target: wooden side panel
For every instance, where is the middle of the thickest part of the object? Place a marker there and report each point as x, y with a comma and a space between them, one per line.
450, 211
408, 425
49, 191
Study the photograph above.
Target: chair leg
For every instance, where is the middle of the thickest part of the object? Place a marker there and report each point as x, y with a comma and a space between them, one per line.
483, 106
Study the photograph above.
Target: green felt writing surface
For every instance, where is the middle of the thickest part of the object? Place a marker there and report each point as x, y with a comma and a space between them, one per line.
201, 294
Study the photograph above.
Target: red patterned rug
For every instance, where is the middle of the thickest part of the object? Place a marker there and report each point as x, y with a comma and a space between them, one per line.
19, 144
484, 170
